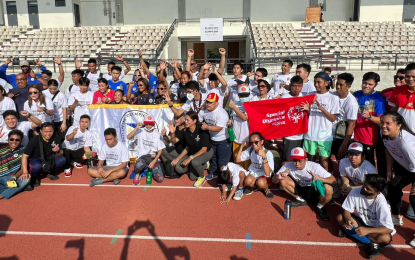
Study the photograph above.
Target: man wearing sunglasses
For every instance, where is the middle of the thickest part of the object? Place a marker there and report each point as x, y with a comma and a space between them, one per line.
398, 80
12, 179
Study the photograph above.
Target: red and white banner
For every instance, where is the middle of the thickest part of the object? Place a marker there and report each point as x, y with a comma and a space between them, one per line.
276, 118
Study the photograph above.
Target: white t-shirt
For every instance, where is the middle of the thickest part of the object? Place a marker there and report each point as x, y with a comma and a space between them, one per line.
233, 89
5, 85
6, 104
218, 117
82, 107
402, 149
93, 81
319, 126
22, 126
206, 87
308, 88
74, 89
256, 165
109, 77
80, 140
255, 91
293, 137
148, 143
235, 169
278, 79
358, 175
302, 177
195, 75
240, 127
348, 110
59, 103
174, 88
114, 156
42, 116
195, 105
256, 98
374, 212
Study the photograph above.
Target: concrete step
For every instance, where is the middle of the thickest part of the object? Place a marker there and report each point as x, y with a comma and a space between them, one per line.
334, 68
329, 62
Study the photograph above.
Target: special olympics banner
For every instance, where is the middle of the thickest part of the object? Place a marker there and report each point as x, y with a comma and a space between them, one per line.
211, 29
124, 118
276, 118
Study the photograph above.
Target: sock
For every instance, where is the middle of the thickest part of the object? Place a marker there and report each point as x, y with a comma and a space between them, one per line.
240, 188
300, 199
320, 206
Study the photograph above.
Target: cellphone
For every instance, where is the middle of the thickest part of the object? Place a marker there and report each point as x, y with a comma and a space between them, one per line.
11, 184
16, 95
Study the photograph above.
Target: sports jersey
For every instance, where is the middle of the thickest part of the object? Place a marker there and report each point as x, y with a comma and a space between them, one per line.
278, 79
403, 99
10, 161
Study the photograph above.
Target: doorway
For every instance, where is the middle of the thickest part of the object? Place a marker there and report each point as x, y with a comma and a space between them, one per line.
12, 13
356, 11
119, 12
77, 15
199, 48
33, 14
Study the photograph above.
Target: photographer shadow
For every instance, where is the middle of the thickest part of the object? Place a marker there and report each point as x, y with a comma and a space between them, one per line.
77, 244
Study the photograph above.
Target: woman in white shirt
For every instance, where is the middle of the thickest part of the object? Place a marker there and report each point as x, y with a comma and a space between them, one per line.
263, 87
5, 104
399, 142
60, 106
38, 105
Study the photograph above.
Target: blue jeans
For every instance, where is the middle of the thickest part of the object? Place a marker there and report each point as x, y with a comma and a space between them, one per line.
6, 192
35, 165
222, 153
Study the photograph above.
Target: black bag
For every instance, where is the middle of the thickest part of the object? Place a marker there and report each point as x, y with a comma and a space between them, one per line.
47, 165
168, 169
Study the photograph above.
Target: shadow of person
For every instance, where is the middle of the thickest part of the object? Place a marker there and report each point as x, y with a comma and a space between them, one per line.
5, 222
234, 257
77, 244
130, 231
9, 258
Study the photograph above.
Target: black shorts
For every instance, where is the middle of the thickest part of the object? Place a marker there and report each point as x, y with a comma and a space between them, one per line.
360, 223
308, 193
288, 145
335, 146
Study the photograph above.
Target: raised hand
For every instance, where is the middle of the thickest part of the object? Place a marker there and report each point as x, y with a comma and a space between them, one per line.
207, 66
120, 57
9, 60
38, 63
75, 131
190, 52
57, 60
222, 51
175, 63
78, 63
172, 128
140, 53
163, 64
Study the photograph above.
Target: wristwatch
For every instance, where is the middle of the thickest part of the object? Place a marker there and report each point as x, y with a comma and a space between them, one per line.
370, 116
191, 157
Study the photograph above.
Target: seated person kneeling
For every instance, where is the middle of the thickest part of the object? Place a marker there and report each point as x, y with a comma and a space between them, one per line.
235, 174
295, 178
367, 210
115, 154
261, 167
150, 145
354, 168
10, 169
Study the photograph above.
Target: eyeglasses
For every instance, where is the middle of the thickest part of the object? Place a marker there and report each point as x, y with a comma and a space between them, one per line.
34, 93
262, 86
137, 75
14, 140
399, 77
208, 102
161, 88
255, 142
177, 118
20, 78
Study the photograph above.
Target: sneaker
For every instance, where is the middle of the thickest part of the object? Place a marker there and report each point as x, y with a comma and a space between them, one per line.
67, 172
397, 221
412, 243
248, 191
53, 177
116, 181
322, 214
77, 165
336, 192
269, 194
29, 188
374, 250
136, 180
239, 193
228, 187
211, 176
36, 181
410, 212
297, 203
207, 165
94, 182
199, 183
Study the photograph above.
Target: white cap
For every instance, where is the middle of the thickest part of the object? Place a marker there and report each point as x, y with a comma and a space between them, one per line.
356, 148
298, 153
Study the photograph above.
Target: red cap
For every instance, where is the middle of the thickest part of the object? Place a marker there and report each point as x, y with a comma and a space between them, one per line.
298, 153
149, 120
212, 97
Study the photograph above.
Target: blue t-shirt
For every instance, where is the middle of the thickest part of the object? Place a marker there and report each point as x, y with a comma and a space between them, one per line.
118, 85
153, 83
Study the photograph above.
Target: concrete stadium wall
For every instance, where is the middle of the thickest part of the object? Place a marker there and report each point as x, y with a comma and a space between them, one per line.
381, 10
214, 9
92, 13
149, 12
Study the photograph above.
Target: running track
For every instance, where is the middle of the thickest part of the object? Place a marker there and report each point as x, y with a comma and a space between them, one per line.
67, 219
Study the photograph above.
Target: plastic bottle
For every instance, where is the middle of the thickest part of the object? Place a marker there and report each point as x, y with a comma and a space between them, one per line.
287, 210
149, 177
231, 133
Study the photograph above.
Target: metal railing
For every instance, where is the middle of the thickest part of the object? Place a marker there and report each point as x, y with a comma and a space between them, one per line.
252, 37
165, 38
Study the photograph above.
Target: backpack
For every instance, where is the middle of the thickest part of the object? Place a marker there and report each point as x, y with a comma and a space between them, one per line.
87, 73
276, 155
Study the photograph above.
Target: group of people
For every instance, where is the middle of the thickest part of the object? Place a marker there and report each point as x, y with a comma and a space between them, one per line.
369, 134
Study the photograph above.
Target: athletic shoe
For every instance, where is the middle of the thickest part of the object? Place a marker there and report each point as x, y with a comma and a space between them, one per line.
374, 250
239, 193
412, 243
297, 203
77, 165
207, 165
136, 180
269, 194
199, 183
36, 181
94, 182
211, 176
29, 188
322, 214
53, 177
116, 181
248, 191
397, 221
410, 212
336, 192
67, 172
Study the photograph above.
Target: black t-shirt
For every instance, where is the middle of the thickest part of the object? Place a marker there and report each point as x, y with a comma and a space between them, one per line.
33, 149
121, 102
161, 100
20, 100
196, 140
179, 146
181, 92
144, 99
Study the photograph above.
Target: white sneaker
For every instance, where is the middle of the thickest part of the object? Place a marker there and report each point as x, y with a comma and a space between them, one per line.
412, 243
410, 212
397, 221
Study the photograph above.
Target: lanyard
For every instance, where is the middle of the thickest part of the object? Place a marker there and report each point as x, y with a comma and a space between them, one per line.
197, 108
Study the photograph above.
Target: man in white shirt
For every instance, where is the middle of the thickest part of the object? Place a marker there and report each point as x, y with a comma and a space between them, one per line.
295, 178
366, 213
281, 80
93, 74
47, 74
11, 123
215, 119
304, 70
214, 83
195, 99
115, 154
260, 73
111, 64
232, 85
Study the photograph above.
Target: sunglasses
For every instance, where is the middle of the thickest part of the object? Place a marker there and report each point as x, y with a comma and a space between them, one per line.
255, 142
161, 88
191, 64
14, 140
137, 75
399, 77
34, 93
262, 86
141, 85
208, 102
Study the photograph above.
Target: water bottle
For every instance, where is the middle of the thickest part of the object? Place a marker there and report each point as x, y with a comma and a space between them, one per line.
231, 133
287, 210
149, 177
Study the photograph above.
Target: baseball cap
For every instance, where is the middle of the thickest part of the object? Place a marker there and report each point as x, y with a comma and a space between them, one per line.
298, 153
212, 97
264, 79
242, 79
24, 63
356, 148
322, 75
243, 90
149, 120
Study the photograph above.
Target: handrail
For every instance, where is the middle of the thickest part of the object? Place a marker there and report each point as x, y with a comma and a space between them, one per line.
248, 23
165, 38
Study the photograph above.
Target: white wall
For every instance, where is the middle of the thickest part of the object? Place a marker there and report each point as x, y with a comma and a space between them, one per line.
150, 12
92, 13
381, 10
218, 8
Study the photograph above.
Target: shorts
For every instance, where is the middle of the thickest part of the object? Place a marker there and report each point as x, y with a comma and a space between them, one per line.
335, 146
288, 145
308, 193
108, 168
260, 176
311, 147
360, 223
